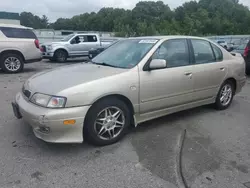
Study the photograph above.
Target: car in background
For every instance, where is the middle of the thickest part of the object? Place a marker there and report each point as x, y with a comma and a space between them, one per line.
240, 49
94, 52
222, 43
132, 81
247, 57
18, 45
74, 45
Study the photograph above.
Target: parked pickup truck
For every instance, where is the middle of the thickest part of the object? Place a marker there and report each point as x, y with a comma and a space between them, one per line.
74, 45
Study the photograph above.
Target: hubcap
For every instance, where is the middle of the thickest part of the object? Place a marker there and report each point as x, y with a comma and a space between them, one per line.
226, 95
61, 56
109, 123
12, 63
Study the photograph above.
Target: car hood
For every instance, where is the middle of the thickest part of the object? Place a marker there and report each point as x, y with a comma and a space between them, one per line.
54, 43
55, 81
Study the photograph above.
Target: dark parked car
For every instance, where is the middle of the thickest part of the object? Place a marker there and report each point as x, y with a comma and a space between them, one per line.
247, 57
95, 52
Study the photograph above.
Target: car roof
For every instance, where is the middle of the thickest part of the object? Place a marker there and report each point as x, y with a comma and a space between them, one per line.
14, 26
86, 33
168, 37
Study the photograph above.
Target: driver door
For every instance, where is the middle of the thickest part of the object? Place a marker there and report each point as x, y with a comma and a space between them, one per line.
77, 46
170, 87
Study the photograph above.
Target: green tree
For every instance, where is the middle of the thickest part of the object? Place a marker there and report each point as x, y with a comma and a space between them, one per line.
205, 17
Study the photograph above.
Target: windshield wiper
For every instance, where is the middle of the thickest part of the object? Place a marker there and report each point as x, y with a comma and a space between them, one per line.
105, 64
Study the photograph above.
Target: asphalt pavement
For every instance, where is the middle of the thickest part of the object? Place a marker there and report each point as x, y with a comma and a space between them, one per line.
216, 149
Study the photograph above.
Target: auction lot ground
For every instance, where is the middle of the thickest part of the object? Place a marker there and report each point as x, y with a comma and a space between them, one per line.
216, 149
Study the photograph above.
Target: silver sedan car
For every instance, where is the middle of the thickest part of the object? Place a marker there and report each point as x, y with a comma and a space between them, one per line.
135, 80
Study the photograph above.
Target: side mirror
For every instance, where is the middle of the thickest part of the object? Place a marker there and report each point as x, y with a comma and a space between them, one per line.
73, 41
157, 64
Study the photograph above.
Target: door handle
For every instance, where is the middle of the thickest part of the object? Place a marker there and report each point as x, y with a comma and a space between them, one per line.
222, 68
188, 73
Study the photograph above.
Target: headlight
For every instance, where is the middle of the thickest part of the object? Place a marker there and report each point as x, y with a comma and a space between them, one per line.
48, 101
49, 47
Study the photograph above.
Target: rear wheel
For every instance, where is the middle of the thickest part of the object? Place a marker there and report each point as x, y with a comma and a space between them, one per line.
61, 56
107, 122
12, 63
225, 95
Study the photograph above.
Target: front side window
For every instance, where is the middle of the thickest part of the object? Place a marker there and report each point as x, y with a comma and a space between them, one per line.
175, 52
125, 53
18, 33
203, 52
217, 52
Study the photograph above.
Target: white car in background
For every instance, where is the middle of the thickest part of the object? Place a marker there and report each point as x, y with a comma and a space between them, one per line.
18, 45
222, 43
74, 45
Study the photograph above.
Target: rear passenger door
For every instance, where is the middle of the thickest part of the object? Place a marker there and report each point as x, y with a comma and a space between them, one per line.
88, 42
209, 70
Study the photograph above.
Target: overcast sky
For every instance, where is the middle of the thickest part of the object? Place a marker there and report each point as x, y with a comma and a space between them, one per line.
54, 9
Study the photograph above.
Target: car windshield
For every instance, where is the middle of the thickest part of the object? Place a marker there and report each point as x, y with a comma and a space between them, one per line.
126, 53
67, 38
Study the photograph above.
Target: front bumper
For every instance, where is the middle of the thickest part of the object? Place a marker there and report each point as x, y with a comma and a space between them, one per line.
48, 124
48, 55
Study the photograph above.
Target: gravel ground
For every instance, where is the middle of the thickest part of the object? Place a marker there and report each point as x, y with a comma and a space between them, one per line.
216, 151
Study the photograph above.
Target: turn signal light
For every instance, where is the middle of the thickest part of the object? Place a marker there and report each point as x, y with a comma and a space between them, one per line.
69, 122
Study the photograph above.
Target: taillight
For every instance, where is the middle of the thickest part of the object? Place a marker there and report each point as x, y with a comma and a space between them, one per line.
37, 43
246, 52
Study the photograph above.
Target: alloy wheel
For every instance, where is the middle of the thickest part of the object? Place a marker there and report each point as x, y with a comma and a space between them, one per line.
226, 95
12, 64
109, 123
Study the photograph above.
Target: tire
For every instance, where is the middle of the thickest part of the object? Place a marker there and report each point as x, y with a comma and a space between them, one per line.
228, 98
52, 59
98, 111
60, 56
11, 63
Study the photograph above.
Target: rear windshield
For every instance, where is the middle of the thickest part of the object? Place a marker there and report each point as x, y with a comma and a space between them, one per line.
18, 33
248, 44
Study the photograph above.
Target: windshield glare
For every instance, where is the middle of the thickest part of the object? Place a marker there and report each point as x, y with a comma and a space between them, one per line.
67, 38
126, 53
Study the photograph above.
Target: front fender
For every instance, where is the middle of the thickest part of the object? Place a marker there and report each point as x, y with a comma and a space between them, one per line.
61, 47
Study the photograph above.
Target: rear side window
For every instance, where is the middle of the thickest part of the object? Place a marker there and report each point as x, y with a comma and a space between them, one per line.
203, 52
217, 52
91, 38
18, 33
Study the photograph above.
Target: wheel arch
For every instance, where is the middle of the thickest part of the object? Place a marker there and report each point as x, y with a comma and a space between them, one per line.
62, 49
12, 51
121, 97
233, 80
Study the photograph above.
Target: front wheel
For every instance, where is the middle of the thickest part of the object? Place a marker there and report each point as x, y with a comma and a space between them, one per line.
225, 95
60, 56
106, 122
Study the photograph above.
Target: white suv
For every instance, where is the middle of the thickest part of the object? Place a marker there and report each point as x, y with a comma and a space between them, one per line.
18, 45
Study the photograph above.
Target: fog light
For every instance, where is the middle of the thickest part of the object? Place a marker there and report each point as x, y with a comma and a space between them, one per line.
44, 129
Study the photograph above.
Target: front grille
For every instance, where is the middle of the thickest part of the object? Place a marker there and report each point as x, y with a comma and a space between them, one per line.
26, 93
43, 48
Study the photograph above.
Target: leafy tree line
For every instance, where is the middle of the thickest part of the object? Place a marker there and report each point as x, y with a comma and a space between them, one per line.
206, 17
